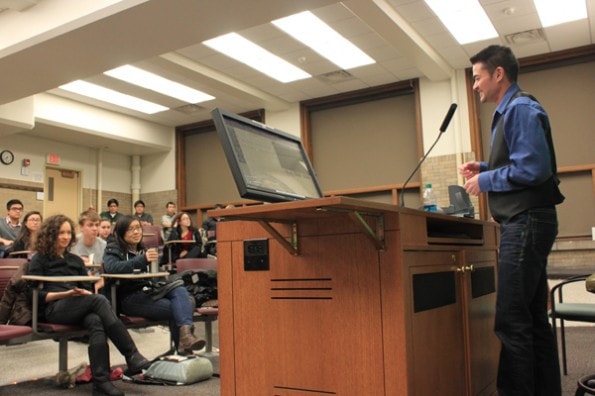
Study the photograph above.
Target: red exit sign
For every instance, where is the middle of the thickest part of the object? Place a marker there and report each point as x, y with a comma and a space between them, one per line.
53, 159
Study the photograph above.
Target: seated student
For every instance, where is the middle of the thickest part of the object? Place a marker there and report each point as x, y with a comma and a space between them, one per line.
183, 230
25, 239
105, 229
139, 213
75, 304
124, 254
10, 226
88, 245
167, 219
112, 213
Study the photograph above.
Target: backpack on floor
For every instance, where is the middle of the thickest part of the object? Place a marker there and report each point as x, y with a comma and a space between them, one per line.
176, 370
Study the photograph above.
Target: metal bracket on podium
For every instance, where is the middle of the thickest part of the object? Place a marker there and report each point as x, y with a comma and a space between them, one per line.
376, 235
290, 245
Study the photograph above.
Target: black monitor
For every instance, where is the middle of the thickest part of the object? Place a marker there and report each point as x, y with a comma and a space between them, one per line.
267, 164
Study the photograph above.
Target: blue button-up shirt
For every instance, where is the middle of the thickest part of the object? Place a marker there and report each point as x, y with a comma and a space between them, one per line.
524, 132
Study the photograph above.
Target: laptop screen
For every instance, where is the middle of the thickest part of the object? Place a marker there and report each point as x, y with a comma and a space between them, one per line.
267, 164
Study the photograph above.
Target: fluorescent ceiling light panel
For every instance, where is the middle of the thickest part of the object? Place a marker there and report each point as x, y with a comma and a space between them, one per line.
148, 80
466, 20
553, 12
313, 32
110, 96
258, 58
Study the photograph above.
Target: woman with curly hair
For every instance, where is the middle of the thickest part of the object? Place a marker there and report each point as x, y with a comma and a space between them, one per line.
125, 254
73, 303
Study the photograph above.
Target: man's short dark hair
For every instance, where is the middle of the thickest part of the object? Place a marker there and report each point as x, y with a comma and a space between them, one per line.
139, 202
112, 201
169, 203
498, 56
13, 202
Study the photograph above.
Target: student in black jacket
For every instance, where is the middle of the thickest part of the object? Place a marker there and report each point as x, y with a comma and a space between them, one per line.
73, 303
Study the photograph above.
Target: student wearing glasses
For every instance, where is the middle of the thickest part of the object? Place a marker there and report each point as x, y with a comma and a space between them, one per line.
74, 303
25, 239
126, 254
111, 213
10, 226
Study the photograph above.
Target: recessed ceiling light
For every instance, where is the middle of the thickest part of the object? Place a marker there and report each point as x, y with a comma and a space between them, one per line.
553, 13
110, 96
245, 51
313, 32
154, 82
466, 20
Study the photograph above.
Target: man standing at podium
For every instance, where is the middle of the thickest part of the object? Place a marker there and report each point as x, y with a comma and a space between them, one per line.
522, 186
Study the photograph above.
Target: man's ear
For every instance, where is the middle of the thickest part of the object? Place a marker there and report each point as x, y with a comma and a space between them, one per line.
499, 73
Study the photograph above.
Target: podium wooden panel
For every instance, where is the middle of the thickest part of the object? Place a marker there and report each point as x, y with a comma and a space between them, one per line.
359, 298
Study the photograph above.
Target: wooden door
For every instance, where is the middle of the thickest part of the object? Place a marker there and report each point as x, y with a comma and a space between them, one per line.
437, 326
480, 297
62, 193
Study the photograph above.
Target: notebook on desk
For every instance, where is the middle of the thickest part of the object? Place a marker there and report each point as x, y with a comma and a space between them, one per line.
267, 164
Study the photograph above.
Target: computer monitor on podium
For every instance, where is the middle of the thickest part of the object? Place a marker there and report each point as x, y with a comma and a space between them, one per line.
267, 164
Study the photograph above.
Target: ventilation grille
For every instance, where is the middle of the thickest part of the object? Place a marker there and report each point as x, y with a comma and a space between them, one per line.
302, 289
526, 37
189, 109
335, 77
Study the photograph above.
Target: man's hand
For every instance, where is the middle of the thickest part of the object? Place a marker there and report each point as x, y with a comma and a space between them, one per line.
470, 171
6, 242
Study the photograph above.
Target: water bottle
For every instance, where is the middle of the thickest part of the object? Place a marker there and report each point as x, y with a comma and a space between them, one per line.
429, 199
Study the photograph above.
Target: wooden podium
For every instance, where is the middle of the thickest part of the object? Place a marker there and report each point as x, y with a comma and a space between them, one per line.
339, 296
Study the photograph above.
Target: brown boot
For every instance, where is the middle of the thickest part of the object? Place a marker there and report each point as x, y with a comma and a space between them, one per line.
188, 342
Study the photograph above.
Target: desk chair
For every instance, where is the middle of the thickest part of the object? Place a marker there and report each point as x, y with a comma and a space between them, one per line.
169, 246
12, 261
560, 310
19, 254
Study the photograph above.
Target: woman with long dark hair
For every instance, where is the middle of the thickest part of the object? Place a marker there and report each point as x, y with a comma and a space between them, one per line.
73, 303
25, 239
125, 254
183, 230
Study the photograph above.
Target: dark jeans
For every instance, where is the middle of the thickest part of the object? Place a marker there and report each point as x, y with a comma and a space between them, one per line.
93, 312
175, 307
529, 358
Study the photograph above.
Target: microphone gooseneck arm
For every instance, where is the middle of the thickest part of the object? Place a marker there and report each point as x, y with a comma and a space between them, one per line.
443, 127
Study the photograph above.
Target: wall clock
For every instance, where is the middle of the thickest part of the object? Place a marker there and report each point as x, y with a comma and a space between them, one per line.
7, 157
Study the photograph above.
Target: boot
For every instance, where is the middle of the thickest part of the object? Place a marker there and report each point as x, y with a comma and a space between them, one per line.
99, 362
125, 344
188, 342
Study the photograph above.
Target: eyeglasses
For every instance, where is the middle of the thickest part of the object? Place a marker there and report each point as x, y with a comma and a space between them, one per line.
34, 220
134, 229
17, 209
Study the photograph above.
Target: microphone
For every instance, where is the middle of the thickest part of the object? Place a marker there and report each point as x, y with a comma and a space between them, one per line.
448, 117
445, 122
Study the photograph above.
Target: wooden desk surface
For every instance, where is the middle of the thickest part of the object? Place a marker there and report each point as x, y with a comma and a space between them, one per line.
142, 275
92, 265
174, 241
73, 278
